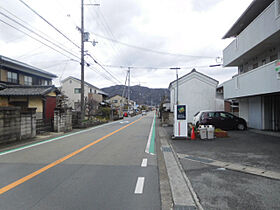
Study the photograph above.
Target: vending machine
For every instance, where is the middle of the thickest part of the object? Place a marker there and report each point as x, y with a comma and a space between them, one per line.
180, 121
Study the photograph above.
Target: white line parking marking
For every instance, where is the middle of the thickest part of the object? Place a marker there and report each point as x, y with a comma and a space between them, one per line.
144, 162
139, 185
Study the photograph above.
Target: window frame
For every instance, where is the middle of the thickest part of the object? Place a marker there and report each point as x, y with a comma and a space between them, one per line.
10, 78
26, 80
77, 90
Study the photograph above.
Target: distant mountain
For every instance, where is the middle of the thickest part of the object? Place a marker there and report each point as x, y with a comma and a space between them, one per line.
140, 94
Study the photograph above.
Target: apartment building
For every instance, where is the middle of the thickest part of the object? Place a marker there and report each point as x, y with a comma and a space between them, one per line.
255, 50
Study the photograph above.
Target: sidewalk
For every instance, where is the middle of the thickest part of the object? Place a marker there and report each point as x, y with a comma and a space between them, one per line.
220, 188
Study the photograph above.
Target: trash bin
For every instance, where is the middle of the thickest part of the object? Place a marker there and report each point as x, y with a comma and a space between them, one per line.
202, 132
210, 131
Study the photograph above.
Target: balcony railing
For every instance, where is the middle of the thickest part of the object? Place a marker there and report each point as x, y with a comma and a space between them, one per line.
262, 80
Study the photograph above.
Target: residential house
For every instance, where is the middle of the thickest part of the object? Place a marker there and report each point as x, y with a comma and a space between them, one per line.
117, 101
197, 90
26, 86
71, 87
255, 51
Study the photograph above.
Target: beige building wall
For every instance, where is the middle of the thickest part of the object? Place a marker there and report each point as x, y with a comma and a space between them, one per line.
21, 79
3, 75
4, 101
36, 102
117, 100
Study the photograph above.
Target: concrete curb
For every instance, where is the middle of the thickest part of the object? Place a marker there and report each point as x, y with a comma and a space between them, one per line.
182, 192
233, 166
193, 193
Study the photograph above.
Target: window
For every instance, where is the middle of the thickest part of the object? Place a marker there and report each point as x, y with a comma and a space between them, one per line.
226, 115
77, 90
27, 80
44, 82
90, 90
94, 91
12, 77
115, 101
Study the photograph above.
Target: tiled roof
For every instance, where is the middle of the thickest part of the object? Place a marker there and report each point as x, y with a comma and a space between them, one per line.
14, 64
22, 90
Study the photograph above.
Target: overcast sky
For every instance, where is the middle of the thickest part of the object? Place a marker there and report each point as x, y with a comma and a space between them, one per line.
151, 35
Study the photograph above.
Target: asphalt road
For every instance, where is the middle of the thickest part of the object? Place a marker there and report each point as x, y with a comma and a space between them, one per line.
88, 170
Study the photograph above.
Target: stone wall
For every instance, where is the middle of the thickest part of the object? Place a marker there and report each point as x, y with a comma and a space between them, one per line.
16, 124
28, 123
62, 120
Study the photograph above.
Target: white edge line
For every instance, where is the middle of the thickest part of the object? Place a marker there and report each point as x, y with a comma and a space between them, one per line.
144, 162
54, 139
149, 139
139, 185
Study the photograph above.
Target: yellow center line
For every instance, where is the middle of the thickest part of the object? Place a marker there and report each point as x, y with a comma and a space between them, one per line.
35, 173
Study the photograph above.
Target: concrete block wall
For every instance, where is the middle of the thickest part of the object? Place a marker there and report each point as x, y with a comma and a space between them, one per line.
62, 120
16, 124
28, 123
9, 124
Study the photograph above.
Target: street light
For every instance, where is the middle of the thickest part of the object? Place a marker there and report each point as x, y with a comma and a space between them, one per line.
176, 68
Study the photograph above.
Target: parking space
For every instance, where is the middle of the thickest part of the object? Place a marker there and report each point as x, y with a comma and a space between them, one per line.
223, 188
241, 147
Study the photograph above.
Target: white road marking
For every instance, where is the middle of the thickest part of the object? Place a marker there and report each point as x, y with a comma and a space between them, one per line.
144, 162
149, 139
139, 185
124, 122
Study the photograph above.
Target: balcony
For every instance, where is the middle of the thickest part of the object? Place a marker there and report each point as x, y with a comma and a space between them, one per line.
262, 33
262, 80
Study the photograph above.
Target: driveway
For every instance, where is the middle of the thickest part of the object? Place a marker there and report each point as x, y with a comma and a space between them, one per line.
220, 188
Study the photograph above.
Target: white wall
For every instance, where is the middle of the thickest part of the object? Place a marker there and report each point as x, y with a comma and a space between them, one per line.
261, 80
265, 25
68, 89
197, 92
244, 109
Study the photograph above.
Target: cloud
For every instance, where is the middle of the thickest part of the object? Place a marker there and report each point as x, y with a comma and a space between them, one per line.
192, 27
204, 5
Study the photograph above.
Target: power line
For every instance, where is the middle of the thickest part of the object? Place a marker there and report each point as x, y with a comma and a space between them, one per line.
37, 34
26, 23
157, 68
153, 51
34, 38
49, 23
104, 68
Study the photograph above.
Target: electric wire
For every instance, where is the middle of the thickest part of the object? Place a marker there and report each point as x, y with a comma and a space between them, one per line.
32, 31
49, 23
35, 39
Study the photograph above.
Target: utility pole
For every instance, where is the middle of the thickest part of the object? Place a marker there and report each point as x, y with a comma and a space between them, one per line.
82, 64
122, 103
128, 89
177, 68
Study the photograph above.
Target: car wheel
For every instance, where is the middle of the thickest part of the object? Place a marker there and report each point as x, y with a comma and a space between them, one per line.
241, 127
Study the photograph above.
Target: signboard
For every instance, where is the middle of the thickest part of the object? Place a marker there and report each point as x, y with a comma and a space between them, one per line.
277, 65
181, 112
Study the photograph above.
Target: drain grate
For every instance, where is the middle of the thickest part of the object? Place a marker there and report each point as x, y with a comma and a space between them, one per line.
166, 149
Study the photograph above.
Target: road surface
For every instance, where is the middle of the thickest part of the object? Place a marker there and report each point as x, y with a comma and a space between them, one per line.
105, 167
